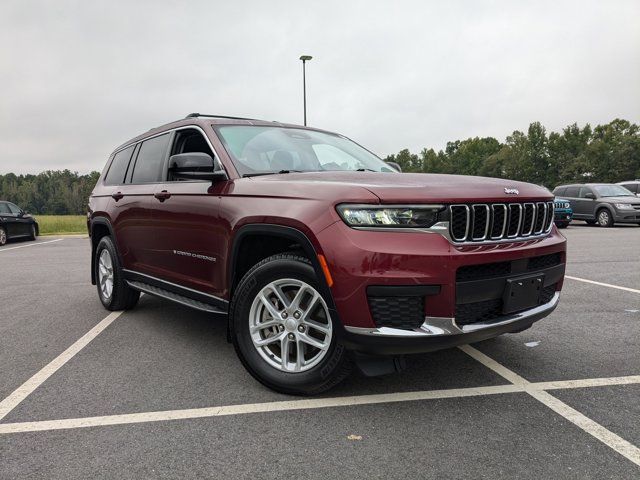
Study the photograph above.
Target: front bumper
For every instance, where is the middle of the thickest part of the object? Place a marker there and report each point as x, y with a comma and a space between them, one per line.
365, 263
439, 333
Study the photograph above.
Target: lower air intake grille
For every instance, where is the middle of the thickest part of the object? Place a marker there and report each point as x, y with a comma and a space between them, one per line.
397, 312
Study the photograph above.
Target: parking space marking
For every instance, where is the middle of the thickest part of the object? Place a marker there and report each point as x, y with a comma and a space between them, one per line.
602, 284
244, 409
306, 404
23, 391
31, 245
610, 439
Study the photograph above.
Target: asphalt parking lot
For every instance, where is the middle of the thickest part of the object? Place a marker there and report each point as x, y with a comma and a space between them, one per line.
157, 392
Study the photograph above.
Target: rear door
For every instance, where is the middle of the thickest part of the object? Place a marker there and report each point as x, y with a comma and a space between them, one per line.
571, 194
132, 201
188, 236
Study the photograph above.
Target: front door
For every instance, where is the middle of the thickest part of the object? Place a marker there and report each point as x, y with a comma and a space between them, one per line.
188, 238
9, 221
22, 223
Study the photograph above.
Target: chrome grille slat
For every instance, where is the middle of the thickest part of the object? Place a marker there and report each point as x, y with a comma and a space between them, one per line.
487, 222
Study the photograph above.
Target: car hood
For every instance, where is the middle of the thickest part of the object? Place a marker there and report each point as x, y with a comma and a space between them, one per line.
410, 187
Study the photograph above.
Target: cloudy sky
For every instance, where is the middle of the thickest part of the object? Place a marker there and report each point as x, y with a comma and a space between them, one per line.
77, 78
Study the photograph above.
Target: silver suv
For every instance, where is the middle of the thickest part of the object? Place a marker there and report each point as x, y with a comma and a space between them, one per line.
601, 203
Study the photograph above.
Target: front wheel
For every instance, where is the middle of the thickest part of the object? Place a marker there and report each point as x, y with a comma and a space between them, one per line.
604, 218
282, 329
113, 290
33, 233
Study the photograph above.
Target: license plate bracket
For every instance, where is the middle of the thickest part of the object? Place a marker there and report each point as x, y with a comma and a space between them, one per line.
522, 293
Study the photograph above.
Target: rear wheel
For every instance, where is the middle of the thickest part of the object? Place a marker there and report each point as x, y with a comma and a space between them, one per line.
604, 218
282, 329
3, 236
113, 291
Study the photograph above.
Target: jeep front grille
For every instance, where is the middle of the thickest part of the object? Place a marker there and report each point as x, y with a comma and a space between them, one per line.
499, 221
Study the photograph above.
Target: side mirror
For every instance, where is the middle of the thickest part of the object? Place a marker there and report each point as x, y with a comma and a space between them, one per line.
395, 166
195, 166
590, 196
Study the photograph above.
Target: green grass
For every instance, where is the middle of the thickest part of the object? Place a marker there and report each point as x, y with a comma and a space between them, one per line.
61, 224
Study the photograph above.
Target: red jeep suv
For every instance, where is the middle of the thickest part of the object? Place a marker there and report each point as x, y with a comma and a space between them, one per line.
318, 254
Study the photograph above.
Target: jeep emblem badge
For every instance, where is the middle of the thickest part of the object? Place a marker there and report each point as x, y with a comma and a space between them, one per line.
511, 191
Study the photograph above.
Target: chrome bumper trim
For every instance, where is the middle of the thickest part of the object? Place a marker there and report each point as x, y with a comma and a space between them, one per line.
440, 326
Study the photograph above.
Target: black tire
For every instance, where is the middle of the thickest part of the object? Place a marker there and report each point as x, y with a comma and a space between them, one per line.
562, 225
33, 232
333, 367
122, 297
604, 218
591, 222
3, 236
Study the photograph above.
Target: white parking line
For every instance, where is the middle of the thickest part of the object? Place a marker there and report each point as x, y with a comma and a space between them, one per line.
585, 280
610, 439
30, 245
23, 391
243, 409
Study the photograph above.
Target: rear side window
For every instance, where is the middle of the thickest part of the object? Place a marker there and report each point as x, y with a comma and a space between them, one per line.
572, 192
148, 166
118, 168
560, 191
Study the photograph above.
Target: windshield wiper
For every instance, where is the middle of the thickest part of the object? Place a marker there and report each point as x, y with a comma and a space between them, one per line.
365, 170
258, 174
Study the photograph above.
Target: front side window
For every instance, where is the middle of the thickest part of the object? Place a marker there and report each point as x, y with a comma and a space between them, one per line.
266, 149
14, 208
584, 191
118, 168
612, 191
150, 160
4, 209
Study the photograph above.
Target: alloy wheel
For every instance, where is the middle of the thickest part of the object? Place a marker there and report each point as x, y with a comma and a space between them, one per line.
3, 236
105, 274
603, 218
290, 326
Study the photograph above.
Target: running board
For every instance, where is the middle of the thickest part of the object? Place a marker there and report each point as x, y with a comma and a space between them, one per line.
174, 297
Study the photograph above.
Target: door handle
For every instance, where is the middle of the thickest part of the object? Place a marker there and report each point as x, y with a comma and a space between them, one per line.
117, 196
162, 196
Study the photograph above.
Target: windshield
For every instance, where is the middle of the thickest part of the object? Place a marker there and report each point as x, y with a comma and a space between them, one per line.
612, 191
259, 150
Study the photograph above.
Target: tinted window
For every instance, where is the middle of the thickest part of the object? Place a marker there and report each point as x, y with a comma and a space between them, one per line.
4, 208
14, 208
632, 187
118, 167
572, 192
583, 192
560, 191
148, 166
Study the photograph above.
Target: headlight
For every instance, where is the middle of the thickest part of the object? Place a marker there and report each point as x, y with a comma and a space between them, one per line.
623, 206
410, 216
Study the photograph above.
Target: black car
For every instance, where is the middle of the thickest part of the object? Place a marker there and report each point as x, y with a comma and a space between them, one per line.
16, 223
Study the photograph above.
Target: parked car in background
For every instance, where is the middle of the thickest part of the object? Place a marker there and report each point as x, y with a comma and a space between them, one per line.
16, 223
601, 203
632, 185
562, 213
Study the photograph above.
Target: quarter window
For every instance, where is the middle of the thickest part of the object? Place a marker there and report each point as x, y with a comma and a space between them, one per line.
118, 168
148, 166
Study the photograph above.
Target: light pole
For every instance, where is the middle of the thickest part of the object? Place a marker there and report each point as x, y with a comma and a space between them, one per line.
304, 59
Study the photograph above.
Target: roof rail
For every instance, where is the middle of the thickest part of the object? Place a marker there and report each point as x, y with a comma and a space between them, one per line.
194, 115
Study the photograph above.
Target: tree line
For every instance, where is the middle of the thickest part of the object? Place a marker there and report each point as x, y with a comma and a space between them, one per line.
54, 192
606, 153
